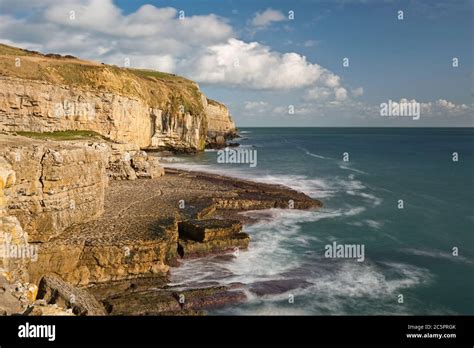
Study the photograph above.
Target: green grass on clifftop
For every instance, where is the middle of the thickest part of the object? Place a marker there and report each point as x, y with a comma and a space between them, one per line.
161, 90
63, 135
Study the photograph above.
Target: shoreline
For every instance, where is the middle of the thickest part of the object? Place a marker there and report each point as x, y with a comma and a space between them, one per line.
126, 254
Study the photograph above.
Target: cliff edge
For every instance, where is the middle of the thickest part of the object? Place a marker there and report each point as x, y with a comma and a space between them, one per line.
150, 109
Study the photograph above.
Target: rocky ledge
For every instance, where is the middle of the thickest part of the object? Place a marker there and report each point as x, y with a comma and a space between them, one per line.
98, 226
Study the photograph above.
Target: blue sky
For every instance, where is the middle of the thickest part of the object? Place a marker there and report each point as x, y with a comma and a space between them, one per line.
252, 57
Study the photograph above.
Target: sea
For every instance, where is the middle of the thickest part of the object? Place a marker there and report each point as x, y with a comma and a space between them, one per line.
406, 195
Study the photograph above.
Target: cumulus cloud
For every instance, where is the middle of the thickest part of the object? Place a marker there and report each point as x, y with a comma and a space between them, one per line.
440, 108
310, 43
329, 88
256, 107
340, 93
265, 18
452, 107
97, 29
202, 47
256, 66
443, 107
318, 94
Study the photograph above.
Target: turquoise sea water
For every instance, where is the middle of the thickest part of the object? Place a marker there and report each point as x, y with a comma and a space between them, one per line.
408, 251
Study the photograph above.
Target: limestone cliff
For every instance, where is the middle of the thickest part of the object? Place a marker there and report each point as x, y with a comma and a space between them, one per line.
147, 108
56, 186
59, 184
220, 124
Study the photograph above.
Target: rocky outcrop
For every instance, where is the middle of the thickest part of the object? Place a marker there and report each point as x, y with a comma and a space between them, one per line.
14, 259
52, 186
17, 294
146, 225
53, 290
149, 225
208, 236
57, 185
38, 106
141, 107
61, 184
220, 124
173, 301
13, 239
128, 162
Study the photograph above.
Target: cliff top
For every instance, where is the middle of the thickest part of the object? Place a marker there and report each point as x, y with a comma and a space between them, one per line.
158, 89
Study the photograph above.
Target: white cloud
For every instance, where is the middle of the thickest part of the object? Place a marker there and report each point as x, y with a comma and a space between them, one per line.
310, 43
256, 66
340, 93
256, 107
452, 107
201, 47
318, 94
265, 18
99, 30
329, 89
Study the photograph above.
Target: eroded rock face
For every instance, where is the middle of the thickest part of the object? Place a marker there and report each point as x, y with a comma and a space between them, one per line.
182, 132
57, 185
168, 302
39, 106
220, 124
12, 236
54, 290
219, 120
60, 184
47, 187
128, 162
16, 254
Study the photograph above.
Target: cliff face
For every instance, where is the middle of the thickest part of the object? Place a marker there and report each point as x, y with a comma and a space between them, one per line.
61, 184
56, 186
49, 187
141, 107
220, 124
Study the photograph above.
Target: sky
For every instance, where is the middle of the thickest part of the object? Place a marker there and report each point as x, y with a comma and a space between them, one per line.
280, 62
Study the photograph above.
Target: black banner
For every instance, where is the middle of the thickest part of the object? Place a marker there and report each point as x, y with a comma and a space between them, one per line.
211, 330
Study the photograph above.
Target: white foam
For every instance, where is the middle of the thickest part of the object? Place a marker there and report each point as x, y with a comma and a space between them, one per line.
437, 254
374, 224
314, 187
309, 153
271, 252
370, 197
346, 167
169, 159
343, 287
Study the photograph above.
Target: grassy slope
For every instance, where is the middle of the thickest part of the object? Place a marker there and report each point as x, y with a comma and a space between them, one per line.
161, 90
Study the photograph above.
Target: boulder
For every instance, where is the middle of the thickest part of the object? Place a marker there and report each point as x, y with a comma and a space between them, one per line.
189, 248
54, 290
209, 229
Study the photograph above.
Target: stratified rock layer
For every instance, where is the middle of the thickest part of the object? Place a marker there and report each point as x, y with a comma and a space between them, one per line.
57, 184
141, 107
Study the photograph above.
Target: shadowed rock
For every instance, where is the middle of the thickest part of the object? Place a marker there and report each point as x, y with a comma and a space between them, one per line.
54, 290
